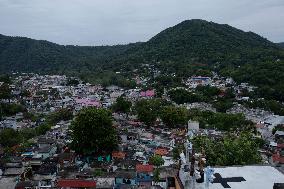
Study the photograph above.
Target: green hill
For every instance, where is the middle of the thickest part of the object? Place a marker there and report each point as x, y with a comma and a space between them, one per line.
196, 43
281, 44
193, 45
192, 41
205, 41
28, 55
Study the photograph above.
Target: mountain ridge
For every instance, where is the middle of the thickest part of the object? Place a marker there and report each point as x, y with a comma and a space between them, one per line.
281, 44
176, 48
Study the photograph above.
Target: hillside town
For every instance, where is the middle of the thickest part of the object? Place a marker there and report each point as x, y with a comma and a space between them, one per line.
159, 153
147, 94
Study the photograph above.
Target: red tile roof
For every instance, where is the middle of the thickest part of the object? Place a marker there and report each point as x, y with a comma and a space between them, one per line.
161, 151
261, 126
277, 158
74, 183
144, 168
119, 155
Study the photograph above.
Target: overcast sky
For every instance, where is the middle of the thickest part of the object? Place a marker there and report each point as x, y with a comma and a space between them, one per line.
107, 22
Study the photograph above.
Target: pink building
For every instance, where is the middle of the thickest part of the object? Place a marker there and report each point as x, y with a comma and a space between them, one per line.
148, 93
86, 102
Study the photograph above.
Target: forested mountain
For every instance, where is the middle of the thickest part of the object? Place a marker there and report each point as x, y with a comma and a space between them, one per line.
197, 43
205, 41
281, 44
28, 55
182, 49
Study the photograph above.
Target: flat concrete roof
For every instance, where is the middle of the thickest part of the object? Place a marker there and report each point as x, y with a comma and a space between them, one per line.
246, 177
7, 183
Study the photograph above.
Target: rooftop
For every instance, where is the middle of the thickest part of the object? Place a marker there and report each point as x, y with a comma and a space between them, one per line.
247, 177
76, 183
120, 155
144, 168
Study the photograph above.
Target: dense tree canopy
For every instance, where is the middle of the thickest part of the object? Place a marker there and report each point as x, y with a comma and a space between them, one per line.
42, 129
72, 82
122, 105
9, 137
166, 81
207, 91
222, 105
62, 114
148, 110
181, 96
10, 109
156, 160
229, 150
174, 117
200, 94
267, 76
221, 121
5, 78
92, 132
269, 105
5, 91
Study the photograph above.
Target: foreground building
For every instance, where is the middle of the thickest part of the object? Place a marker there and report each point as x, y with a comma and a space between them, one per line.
246, 177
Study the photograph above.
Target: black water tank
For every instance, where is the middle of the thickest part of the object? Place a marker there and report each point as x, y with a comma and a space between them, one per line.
171, 182
278, 186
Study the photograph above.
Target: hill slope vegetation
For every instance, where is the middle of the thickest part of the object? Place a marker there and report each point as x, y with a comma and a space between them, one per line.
184, 49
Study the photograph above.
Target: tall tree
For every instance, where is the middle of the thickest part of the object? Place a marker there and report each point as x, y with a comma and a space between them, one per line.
230, 150
222, 105
145, 112
156, 160
122, 105
181, 96
9, 137
93, 131
172, 116
5, 78
62, 114
5, 91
